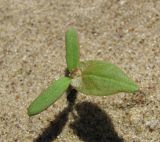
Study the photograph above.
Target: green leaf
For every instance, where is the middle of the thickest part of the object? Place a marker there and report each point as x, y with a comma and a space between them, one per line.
72, 49
101, 78
49, 96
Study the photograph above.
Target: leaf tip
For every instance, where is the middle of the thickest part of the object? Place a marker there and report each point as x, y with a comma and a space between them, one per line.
71, 28
30, 111
133, 87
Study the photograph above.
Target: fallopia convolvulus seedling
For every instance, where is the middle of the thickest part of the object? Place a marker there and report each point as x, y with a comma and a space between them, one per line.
97, 78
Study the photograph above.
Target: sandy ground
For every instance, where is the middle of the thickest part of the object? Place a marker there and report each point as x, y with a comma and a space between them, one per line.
32, 54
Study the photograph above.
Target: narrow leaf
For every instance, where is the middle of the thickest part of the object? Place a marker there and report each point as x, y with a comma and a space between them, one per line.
49, 96
101, 78
72, 49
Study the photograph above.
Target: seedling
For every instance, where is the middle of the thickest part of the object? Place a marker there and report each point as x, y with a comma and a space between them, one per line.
89, 77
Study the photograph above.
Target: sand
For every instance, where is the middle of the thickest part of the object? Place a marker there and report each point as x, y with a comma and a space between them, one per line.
32, 55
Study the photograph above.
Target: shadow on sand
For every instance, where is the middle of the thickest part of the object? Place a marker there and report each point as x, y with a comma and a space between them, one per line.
91, 125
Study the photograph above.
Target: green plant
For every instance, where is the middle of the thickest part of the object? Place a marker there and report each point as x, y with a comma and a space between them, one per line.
89, 77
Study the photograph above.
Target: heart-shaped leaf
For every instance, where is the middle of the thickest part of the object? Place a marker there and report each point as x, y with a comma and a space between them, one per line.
49, 96
72, 49
101, 78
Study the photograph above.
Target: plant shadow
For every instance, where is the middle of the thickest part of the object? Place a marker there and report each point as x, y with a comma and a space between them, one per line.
93, 124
